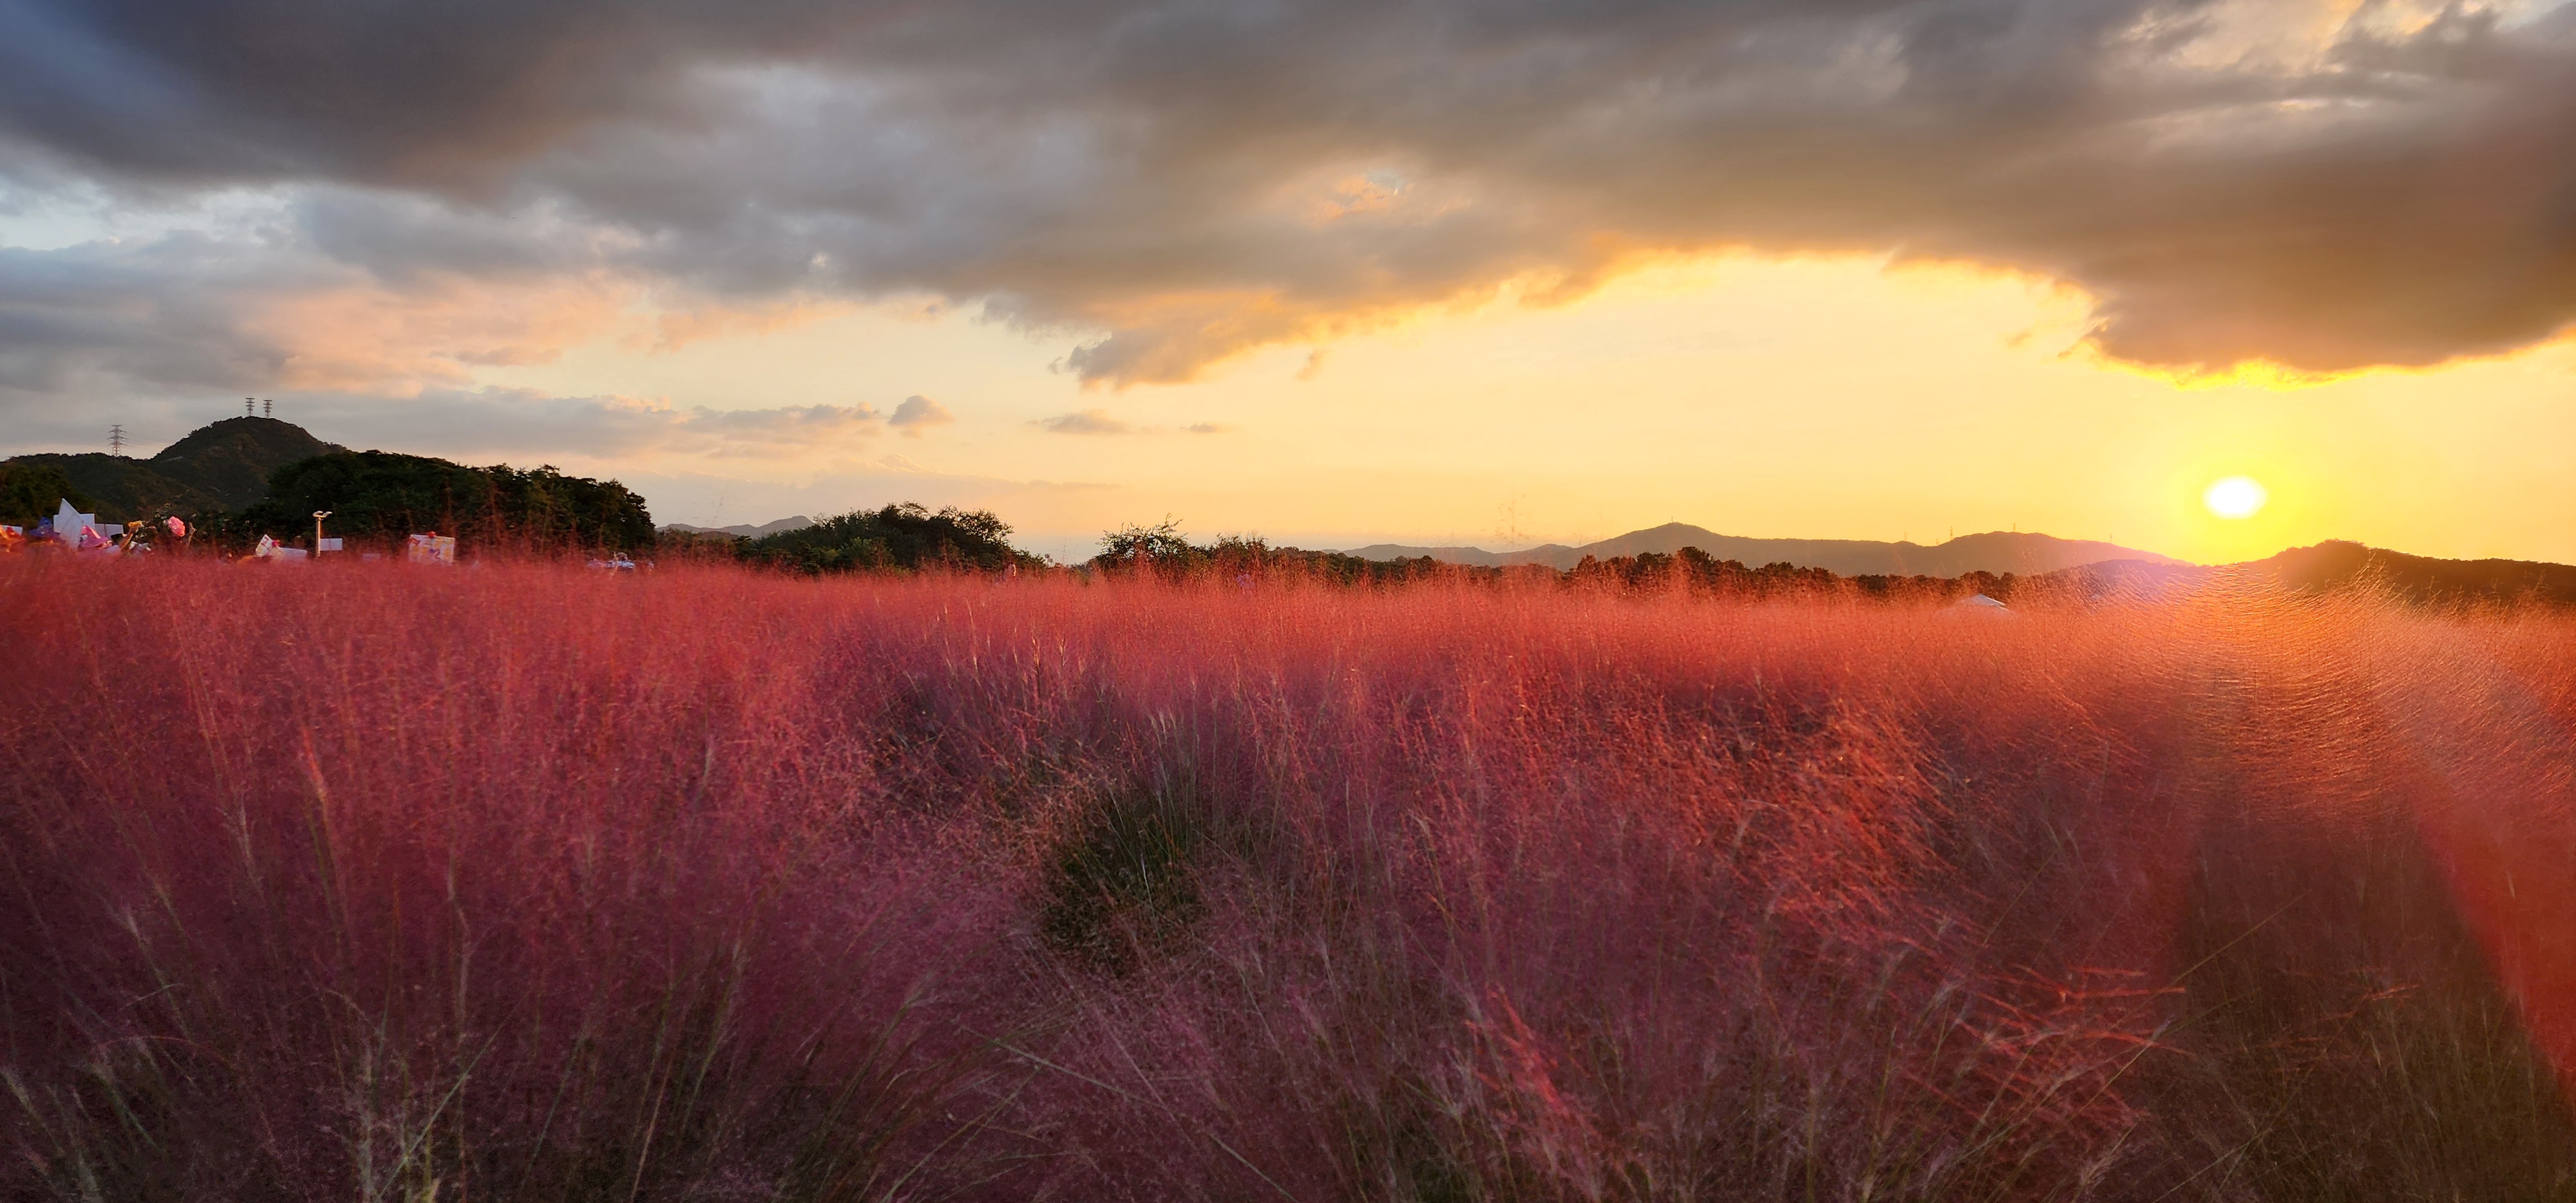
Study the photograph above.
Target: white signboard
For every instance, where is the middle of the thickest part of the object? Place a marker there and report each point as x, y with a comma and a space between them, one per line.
431, 549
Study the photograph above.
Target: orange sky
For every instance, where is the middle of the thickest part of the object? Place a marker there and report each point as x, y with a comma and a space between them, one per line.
1831, 398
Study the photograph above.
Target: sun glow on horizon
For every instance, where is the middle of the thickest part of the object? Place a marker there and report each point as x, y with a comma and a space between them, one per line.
1514, 422
2235, 497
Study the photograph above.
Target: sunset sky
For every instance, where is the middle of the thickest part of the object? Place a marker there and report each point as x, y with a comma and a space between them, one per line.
1495, 273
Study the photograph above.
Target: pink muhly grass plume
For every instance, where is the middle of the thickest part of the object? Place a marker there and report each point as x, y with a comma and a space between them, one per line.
526, 882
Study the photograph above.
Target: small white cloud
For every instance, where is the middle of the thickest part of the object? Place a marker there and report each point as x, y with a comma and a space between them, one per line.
1089, 421
918, 413
897, 463
1207, 428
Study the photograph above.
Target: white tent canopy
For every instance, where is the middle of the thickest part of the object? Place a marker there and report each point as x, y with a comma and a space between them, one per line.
68, 523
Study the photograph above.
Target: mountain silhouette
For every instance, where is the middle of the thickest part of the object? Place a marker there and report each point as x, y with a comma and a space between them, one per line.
1997, 552
743, 530
2335, 566
219, 467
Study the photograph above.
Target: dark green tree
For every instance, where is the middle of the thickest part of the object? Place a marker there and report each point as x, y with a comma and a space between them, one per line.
1159, 548
544, 506
905, 536
30, 492
380, 496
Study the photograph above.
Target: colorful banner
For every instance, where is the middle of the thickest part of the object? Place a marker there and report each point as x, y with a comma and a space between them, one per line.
431, 549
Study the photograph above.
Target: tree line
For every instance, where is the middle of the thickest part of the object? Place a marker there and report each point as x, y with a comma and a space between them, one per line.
32, 492
377, 498
1161, 551
381, 497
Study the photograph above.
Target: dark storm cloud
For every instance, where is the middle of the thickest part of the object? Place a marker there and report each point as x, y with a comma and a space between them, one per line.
164, 314
1178, 182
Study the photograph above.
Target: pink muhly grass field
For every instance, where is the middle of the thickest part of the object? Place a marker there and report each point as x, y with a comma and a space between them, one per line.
524, 882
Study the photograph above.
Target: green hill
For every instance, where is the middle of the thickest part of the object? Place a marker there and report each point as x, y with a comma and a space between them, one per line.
220, 467
243, 477
231, 459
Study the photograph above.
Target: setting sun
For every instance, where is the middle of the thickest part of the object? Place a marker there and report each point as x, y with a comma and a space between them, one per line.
2235, 497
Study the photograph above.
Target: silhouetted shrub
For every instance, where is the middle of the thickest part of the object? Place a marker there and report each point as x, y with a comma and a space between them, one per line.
904, 536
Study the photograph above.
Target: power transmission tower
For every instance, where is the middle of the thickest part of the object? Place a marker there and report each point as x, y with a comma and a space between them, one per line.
116, 440
268, 408
246, 407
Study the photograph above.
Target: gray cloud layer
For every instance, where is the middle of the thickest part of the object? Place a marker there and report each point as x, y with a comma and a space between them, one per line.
498, 422
163, 315
1180, 181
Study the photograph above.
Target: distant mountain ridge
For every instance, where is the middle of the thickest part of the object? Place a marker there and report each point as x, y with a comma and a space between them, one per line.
219, 467
743, 530
1997, 552
2336, 565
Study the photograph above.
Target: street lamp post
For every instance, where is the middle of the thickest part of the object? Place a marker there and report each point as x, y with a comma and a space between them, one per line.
318, 516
